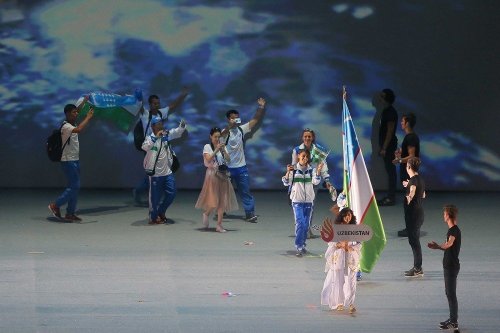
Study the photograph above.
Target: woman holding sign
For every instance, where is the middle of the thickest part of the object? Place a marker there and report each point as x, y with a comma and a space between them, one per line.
342, 264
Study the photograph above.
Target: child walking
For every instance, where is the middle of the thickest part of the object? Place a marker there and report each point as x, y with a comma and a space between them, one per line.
300, 179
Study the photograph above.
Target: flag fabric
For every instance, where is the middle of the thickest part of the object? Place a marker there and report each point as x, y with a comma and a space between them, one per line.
359, 193
117, 109
318, 153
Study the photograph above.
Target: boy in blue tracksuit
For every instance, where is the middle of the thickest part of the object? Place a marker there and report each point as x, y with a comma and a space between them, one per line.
300, 179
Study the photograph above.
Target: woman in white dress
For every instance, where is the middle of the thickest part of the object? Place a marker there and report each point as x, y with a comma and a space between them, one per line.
217, 192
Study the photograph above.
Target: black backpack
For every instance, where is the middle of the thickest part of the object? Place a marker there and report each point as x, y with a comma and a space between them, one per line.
55, 146
140, 133
242, 136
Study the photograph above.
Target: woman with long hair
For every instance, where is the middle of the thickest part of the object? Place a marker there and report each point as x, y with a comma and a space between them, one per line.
342, 264
217, 193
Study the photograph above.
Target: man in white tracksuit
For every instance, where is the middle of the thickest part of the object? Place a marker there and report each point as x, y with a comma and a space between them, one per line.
162, 189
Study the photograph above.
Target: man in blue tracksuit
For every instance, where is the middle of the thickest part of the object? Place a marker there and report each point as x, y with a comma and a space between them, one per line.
162, 188
234, 135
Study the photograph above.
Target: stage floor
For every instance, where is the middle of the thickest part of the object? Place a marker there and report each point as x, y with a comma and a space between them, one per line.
115, 273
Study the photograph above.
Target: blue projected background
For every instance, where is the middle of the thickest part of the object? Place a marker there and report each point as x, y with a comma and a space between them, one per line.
440, 57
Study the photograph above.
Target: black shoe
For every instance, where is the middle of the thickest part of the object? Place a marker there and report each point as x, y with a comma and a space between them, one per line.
414, 272
449, 326
386, 202
252, 218
303, 251
445, 322
403, 233
298, 254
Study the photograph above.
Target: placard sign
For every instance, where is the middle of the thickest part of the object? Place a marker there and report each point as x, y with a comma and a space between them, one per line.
345, 232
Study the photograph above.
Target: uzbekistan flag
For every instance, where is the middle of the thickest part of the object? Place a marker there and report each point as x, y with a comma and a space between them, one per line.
359, 193
117, 109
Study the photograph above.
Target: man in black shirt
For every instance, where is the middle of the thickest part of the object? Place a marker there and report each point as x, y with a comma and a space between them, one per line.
388, 142
409, 148
414, 213
451, 263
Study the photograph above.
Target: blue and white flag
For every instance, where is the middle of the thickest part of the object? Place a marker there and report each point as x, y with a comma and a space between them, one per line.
359, 191
117, 109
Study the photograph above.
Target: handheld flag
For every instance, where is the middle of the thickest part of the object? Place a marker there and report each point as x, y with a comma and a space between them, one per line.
359, 192
318, 154
117, 109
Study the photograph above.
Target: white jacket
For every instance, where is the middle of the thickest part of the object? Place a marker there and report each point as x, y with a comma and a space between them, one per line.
165, 157
302, 181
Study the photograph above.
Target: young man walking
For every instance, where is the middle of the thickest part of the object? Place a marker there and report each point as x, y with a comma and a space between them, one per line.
70, 162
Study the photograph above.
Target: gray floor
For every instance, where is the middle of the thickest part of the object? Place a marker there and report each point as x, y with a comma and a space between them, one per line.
115, 273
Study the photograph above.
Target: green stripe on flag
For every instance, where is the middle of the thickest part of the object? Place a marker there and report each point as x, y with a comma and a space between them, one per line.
372, 249
119, 116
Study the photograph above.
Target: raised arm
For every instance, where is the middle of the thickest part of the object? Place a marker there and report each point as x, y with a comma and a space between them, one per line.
178, 101
289, 174
175, 133
259, 114
85, 121
82, 104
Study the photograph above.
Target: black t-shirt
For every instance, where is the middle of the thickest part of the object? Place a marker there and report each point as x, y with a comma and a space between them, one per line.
410, 140
417, 201
450, 258
389, 114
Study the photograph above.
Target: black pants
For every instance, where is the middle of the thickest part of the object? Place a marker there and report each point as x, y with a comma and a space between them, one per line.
391, 173
414, 220
450, 287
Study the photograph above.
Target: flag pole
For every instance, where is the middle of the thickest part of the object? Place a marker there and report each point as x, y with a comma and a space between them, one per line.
345, 181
